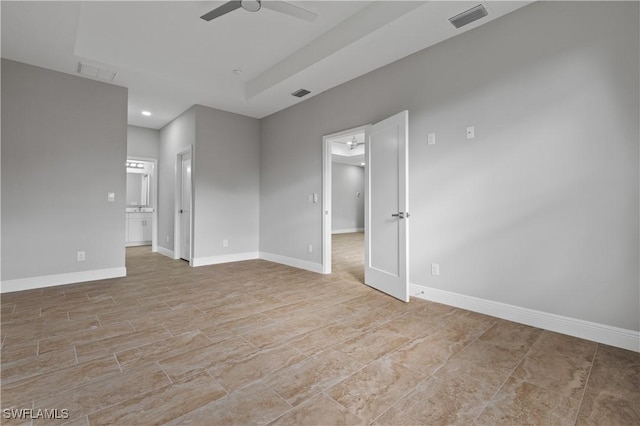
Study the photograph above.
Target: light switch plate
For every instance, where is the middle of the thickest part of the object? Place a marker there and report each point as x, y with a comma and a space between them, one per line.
431, 139
435, 269
111, 197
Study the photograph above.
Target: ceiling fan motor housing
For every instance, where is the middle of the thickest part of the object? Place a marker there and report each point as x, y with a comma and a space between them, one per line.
251, 5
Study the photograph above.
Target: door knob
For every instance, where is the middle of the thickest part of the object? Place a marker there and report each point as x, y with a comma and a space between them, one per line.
399, 215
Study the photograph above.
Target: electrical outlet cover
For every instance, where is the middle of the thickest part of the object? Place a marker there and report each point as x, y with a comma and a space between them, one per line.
471, 132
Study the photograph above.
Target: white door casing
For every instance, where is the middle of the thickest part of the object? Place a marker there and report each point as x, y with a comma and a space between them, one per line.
387, 206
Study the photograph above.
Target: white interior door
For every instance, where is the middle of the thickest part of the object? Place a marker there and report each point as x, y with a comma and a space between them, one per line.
386, 206
185, 207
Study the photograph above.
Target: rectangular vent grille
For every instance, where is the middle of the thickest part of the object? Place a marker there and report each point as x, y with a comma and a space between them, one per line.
469, 16
95, 72
300, 93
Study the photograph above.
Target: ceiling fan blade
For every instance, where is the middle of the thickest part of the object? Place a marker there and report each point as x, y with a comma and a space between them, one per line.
229, 6
290, 9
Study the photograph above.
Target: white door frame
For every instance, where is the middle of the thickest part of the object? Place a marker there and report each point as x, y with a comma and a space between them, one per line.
327, 192
154, 195
177, 204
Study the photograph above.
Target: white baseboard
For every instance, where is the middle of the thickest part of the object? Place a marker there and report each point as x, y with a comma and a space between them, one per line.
347, 230
30, 283
290, 261
226, 258
601, 333
165, 252
139, 243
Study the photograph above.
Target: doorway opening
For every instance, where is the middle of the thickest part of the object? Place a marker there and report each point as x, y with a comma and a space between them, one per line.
386, 203
343, 201
183, 219
141, 227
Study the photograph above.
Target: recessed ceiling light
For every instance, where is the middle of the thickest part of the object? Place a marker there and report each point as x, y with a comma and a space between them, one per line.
146, 113
362, 164
237, 71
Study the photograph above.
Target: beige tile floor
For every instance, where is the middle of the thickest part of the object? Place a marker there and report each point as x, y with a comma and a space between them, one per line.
254, 343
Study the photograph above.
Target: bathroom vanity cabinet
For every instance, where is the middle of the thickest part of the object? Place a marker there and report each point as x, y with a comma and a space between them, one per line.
138, 228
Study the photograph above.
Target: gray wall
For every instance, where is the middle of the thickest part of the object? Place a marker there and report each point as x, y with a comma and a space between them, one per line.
64, 142
143, 142
225, 180
346, 207
540, 210
175, 138
227, 183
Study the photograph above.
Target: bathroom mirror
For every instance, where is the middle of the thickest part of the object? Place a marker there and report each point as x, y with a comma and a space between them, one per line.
138, 186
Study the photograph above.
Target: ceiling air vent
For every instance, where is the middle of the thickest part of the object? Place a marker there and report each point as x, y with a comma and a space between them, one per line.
95, 72
469, 16
300, 93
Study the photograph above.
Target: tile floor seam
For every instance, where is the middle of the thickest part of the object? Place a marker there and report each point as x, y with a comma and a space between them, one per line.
140, 395
263, 382
168, 331
306, 357
464, 348
363, 366
325, 393
128, 347
498, 388
216, 381
118, 362
33, 407
246, 341
75, 352
586, 383
401, 398
417, 371
94, 380
171, 382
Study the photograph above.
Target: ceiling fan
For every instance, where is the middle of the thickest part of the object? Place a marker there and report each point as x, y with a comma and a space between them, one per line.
255, 5
353, 143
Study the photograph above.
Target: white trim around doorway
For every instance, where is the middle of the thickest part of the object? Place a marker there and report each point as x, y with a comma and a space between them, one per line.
327, 192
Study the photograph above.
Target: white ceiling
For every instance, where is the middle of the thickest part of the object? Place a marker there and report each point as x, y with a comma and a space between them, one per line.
170, 59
